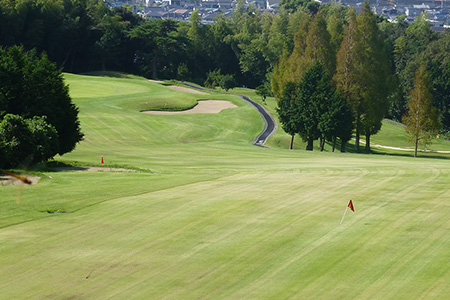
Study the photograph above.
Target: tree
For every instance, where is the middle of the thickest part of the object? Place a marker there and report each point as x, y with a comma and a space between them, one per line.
374, 73
213, 79
363, 72
26, 139
227, 82
287, 110
31, 85
438, 54
263, 91
318, 47
407, 50
111, 45
159, 48
16, 141
337, 122
220, 47
291, 67
314, 94
294, 5
421, 119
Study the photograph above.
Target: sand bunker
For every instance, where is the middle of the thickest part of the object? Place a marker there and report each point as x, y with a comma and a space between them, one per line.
203, 106
186, 90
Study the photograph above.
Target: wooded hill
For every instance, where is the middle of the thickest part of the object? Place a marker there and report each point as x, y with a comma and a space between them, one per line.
84, 35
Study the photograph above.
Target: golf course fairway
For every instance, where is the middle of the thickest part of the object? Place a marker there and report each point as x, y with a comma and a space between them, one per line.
201, 213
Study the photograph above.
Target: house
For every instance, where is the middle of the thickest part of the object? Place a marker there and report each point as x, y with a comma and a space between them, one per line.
180, 14
156, 14
224, 4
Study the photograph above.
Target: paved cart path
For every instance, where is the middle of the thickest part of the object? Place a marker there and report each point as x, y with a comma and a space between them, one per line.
270, 124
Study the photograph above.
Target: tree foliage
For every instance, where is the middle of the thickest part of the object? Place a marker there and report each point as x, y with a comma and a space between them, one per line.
31, 85
32, 140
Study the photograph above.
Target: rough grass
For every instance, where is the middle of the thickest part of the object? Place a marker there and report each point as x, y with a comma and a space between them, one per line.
217, 218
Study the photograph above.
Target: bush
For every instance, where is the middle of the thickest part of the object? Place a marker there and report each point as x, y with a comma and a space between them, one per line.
21, 140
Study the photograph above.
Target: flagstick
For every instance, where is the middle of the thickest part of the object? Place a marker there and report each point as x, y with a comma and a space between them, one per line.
344, 214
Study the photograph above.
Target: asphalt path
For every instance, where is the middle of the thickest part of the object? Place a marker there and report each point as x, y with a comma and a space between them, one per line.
270, 124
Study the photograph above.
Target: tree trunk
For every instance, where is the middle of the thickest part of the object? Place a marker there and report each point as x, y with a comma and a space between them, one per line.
367, 142
66, 58
322, 144
358, 121
416, 146
292, 142
72, 61
343, 146
309, 144
154, 64
334, 144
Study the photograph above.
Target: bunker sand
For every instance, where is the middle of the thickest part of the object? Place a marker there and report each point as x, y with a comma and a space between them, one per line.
203, 106
186, 90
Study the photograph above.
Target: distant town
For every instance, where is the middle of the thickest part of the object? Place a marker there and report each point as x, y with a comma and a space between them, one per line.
438, 11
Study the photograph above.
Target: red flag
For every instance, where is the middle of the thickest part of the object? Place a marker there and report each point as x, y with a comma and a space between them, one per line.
350, 204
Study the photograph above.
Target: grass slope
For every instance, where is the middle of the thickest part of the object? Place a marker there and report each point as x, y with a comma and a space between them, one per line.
217, 218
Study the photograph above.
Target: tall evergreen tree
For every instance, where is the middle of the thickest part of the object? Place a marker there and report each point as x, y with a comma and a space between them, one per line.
421, 119
318, 47
375, 73
287, 110
363, 72
311, 44
347, 70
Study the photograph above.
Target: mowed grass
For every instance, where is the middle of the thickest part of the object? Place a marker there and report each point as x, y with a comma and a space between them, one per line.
213, 217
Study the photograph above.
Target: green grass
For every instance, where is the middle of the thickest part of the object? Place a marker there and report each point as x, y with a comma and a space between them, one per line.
218, 218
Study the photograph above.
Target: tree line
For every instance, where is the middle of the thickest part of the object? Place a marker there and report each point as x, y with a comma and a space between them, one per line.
372, 63
381, 69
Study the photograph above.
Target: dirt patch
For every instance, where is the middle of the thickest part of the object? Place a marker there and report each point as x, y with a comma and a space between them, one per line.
186, 90
203, 106
10, 180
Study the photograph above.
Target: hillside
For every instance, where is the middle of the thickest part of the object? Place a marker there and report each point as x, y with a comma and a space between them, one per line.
202, 213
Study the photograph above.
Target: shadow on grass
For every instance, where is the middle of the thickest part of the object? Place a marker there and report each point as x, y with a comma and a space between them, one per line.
107, 74
351, 148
